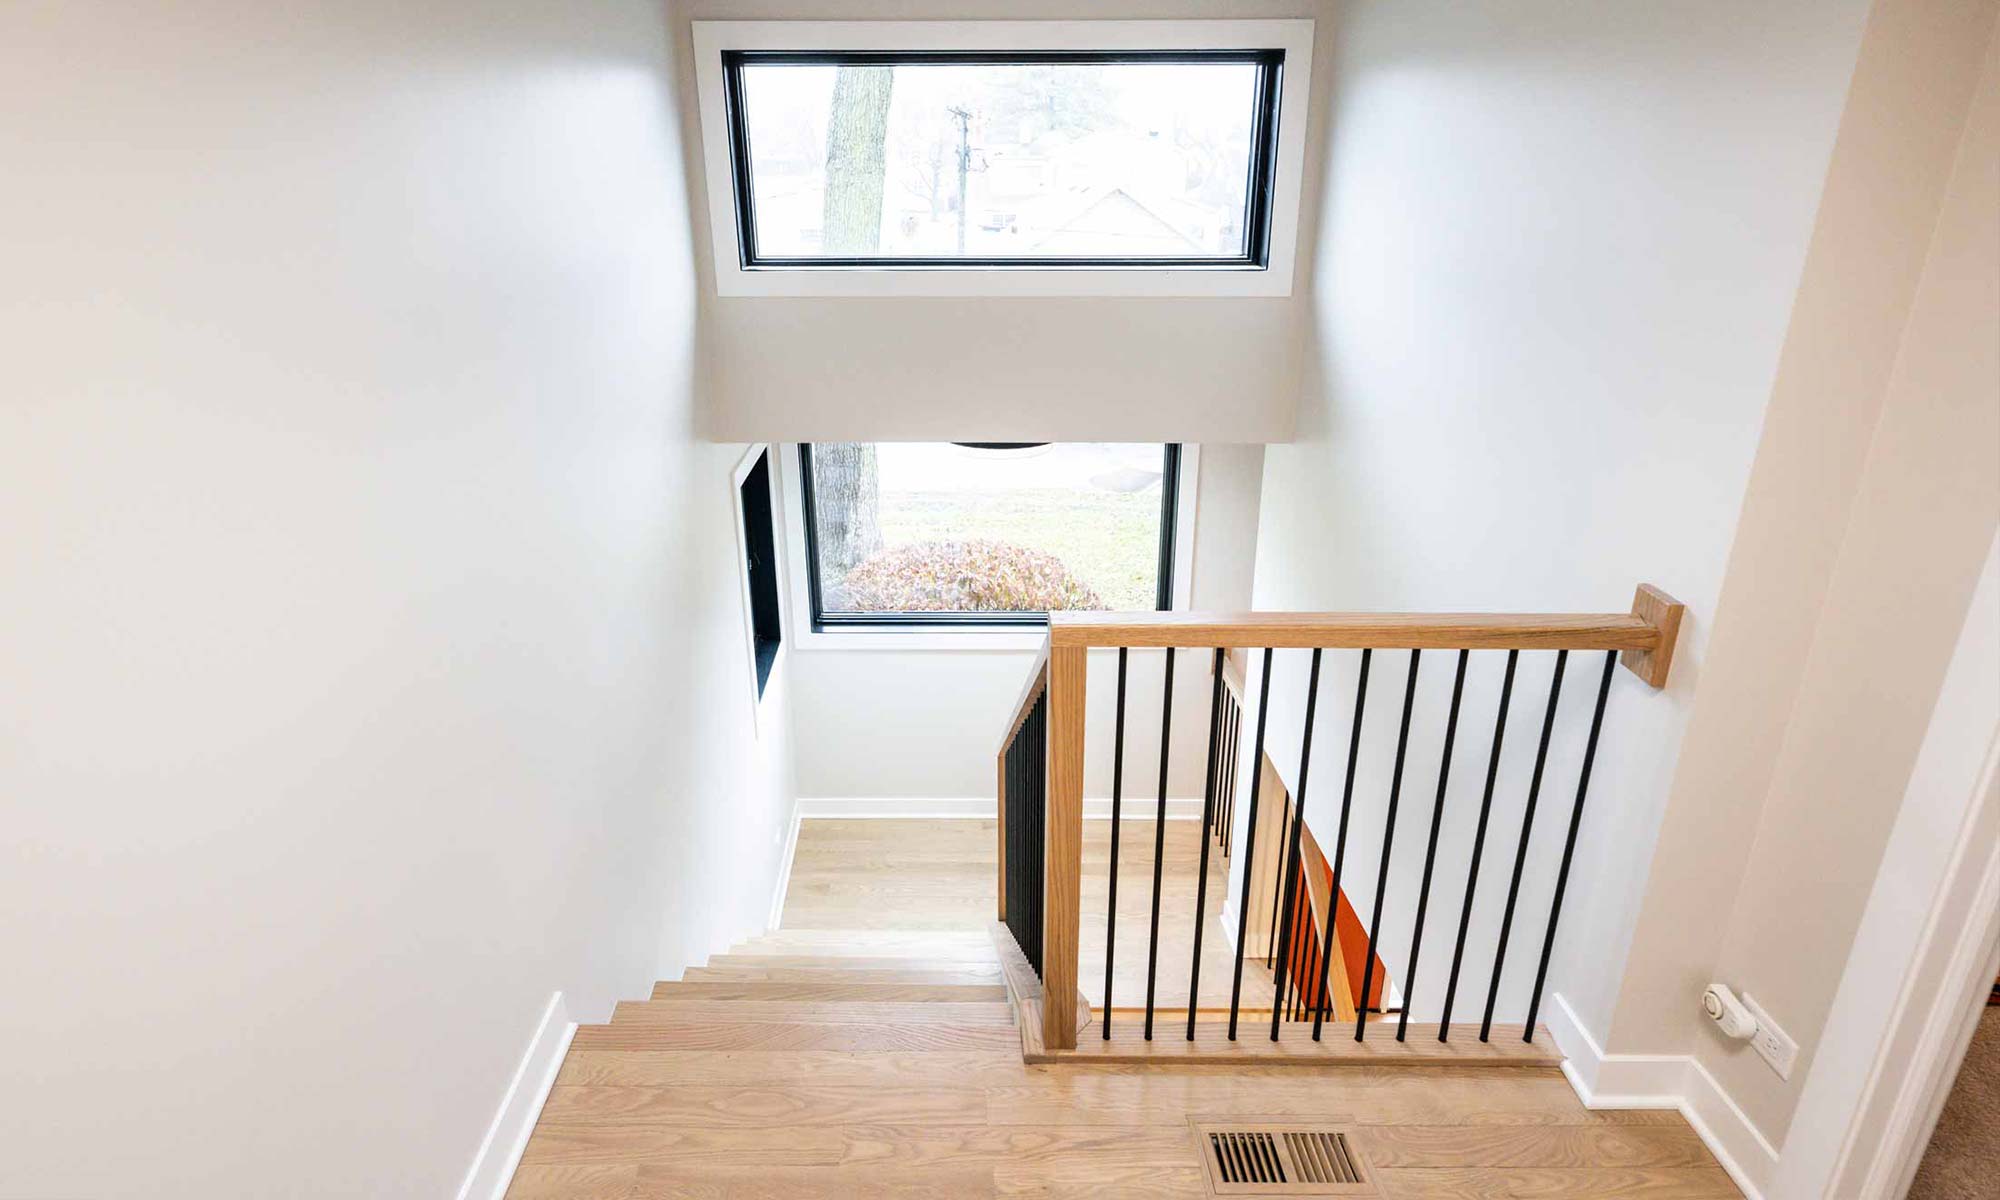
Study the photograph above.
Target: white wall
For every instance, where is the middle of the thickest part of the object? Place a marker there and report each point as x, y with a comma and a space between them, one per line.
924, 724
1874, 497
1038, 369
1866, 1090
369, 629
1558, 251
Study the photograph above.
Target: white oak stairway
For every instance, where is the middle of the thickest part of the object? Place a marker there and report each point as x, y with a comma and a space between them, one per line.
884, 1064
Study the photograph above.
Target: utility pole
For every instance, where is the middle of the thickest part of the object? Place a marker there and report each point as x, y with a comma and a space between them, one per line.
964, 117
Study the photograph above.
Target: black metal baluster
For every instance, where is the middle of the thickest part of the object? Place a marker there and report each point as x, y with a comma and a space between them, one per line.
1020, 802
1292, 881
1117, 798
1430, 851
1008, 781
1340, 849
1277, 888
1388, 844
1249, 846
1026, 821
1159, 837
1210, 799
1038, 764
1569, 843
1521, 852
1235, 767
1478, 844
1231, 731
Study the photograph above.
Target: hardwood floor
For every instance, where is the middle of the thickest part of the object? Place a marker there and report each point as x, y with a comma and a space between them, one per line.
820, 1062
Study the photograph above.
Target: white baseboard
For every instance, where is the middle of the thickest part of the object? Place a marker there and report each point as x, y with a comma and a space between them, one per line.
1096, 808
1676, 1081
493, 1166
777, 913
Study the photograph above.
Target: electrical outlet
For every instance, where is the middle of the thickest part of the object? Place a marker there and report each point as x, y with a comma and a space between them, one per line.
1771, 1043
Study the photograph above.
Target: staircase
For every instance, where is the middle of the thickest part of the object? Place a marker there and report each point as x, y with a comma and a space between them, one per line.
838, 990
875, 1063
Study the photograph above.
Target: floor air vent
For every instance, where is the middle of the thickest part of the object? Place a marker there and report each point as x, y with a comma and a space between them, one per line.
1281, 1160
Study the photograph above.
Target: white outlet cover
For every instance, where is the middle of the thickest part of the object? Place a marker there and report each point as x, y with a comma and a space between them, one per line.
1771, 1043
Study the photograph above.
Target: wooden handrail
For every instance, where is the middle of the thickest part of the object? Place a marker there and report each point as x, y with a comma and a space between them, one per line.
1038, 678
1646, 633
1401, 631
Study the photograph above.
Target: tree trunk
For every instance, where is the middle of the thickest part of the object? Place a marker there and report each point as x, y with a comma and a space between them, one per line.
846, 500
856, 129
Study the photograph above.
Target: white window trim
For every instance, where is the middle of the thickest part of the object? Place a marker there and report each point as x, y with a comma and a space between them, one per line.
800, 634
786, 625
1293, 36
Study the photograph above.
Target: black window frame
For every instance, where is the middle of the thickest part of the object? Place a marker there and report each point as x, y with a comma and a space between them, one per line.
1259, 193
824, 622
757, 512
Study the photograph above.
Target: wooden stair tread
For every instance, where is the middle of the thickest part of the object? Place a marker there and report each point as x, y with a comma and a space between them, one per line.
829, 962
740, 1035
972, 975
812, 1012
866, 937
897, 1069
790, 1105
766, 991
656, 1068
835, 1062
943, 952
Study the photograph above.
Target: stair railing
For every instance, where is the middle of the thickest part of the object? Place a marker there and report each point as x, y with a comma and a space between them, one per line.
1023, 785
1041, 782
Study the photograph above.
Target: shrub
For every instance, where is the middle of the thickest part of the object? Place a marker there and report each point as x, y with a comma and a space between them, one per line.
968, 576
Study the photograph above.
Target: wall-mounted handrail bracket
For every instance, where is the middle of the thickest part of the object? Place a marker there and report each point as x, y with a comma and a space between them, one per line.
1663, 613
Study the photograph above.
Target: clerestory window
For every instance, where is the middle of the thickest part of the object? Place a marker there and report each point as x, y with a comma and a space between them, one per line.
957, 159
1003, 157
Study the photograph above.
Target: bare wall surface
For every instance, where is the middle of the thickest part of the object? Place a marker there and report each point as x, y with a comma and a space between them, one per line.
925, 369
372, 654
1880, 466
1559, 247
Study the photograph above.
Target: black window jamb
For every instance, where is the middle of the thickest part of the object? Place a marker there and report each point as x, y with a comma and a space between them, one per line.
1257, 194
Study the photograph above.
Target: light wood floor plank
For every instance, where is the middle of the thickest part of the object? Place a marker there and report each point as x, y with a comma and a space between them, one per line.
539, 1181
1557, 1146
751, 1182
604, 1143
1573, 1183
1085, 1180
1387, 1096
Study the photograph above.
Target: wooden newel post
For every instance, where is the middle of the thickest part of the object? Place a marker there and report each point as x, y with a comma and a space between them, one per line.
1062, 870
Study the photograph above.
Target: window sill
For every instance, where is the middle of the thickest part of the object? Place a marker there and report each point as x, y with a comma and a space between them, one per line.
1008, 641
1002, 282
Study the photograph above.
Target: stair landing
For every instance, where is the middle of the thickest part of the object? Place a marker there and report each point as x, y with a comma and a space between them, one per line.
1253, 1044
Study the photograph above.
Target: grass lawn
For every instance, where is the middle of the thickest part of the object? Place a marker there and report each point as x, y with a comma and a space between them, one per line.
1109, 540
